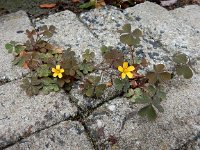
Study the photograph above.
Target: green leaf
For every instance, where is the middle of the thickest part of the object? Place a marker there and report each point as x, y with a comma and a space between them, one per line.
151, 90
137, 95
47, 81
19, 48
19, 61
89, 4
127, 28
161, 95
99, 90
164, 76
137, 33
50, 88
104, 49
43, 71
94, 79
90, 92
180, 58
159, 67
127, 39
9, 47
152, 77
31, 87
143, 99
149, 112
130, 93
35, 81
118, 84
88, 56
184, 70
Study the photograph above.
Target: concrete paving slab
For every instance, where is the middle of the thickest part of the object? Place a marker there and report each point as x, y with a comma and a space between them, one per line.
21, 115
162, 25
72, 33
116, 124
12, 28
164, 32
67, 135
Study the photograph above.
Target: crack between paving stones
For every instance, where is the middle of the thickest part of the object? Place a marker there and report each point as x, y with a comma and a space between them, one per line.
81, 114
80, 117
6, 80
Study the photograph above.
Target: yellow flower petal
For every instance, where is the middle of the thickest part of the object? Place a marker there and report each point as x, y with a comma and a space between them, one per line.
55, 75
60, 75
53, 70
130, 68
62, 70
123, 75
125, 65
58, 67
120, 69
129, 74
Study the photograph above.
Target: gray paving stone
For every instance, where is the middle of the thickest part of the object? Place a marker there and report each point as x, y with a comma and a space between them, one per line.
104, 23
188, 16
178, 125
21, 115
12, 28
72, 33
164, 32
162, 25
64, 136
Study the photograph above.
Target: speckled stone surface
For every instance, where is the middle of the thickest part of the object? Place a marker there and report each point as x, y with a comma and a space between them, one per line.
43, 121
12, 28
21, 115
116, 124
164, 32
72, 33
64, 136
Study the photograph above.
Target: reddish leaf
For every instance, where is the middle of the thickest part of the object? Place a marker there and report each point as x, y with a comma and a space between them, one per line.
109, 84
47, 6
25, 65
76, 1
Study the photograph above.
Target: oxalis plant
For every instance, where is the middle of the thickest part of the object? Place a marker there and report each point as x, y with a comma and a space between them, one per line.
51, 69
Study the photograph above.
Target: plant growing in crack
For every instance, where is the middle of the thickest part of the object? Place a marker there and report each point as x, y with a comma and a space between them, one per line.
52, 68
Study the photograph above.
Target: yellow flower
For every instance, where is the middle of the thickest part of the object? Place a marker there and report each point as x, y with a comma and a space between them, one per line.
57, 71
126, 70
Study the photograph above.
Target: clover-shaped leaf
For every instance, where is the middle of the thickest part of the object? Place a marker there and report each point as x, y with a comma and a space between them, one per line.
31, 86
126, 28
122, 84
99, 90
149, 112
184, 70
158, 75
86, 68
114, 57
137, 33
88, 56
43, 71
180, 58
128, 37
50, 88
105, 49
92, 88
